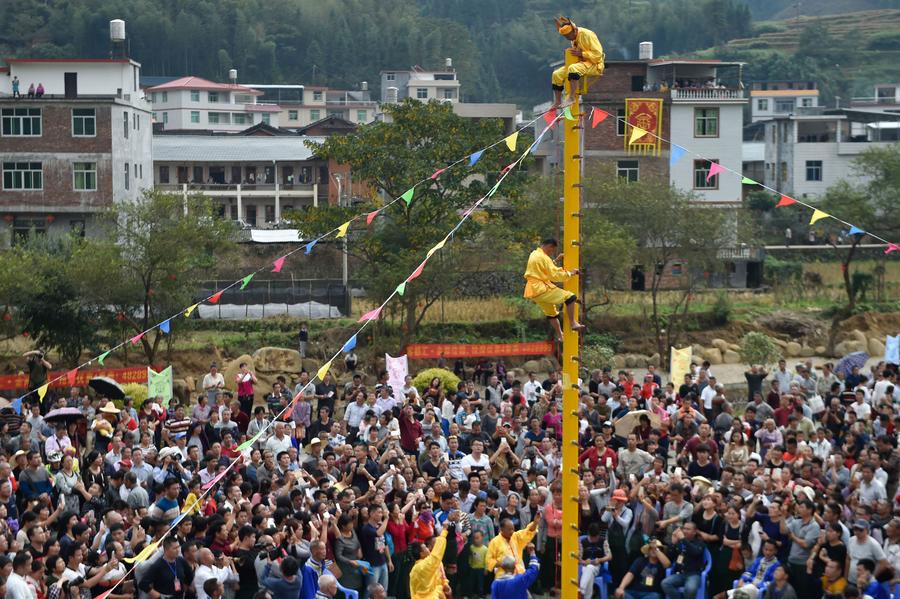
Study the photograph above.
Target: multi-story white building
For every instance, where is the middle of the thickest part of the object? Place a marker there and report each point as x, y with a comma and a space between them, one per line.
885, 95
303, 105
420, 84
770, 99
194, 103
77, 149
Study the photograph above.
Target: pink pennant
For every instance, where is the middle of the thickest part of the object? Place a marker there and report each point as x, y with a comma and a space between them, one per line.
370, 217
373, 315
714, 169
217, 478
892, 247
418, 271
437, 173
278, 264
71, 375
598, 117
136, 338
507, 168
550, 117
215, 299
105, 595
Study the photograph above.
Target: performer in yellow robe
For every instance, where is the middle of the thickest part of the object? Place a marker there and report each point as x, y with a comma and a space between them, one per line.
587, 47
510, 542
426, 579
540, 276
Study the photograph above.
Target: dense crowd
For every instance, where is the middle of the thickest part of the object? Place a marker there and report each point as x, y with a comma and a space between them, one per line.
320, 490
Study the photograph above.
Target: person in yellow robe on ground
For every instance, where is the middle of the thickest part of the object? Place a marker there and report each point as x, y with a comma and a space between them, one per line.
426, 579
586, 46
540, 276
510, 542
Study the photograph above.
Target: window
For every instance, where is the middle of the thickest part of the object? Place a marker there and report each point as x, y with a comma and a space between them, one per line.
242, 119
422, 93
314, 115
163, 174
141, 171
27, 228
270, 213
701, 170
620, 122
762, 104
195, 95
213, 97
125, 124
784, 105
198, 174
213, 118
706, 122
390, 77
628, 170
806, 102
165, 96
137, 122
449, 94
266, 117
153, 97
21, 122
127, 176
153, 116
85, 176
84, 122
27, 176
637, 83
165, 118
813, 170
77, 227
317, 96
677, 269
361, 116
251, 215
292, 115
195, 116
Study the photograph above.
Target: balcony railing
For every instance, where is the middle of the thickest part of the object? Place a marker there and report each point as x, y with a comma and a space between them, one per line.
707, 95
232, 189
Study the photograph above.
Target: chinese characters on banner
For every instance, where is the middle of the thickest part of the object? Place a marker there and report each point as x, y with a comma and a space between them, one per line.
680, 364
397, 369
644, 114
433, 351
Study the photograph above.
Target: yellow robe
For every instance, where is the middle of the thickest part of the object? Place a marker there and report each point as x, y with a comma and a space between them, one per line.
499, 548
540, 275
426, 579
591, 64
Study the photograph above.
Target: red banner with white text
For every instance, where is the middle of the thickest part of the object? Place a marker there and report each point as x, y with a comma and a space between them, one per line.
428, 351
137, 374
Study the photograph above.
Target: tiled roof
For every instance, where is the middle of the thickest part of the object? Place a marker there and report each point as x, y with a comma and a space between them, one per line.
204, 84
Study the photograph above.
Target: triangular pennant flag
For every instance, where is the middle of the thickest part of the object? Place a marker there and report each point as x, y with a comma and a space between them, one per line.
246, 281
214, 480
136, 338
714, 169
17, 405
401, 288
511, 141
418, 271
636, 134
278, 264
249, 442
216, 297
349, 344
568, 114
370, 217
817, 216
598, 117
324, 370
371, 315
408, 195
106, 594
42, 390
144, 554
437, 246
475, 157
102, 357
342, 230
310, 246
165, 327
785, 201
437, 173
675, 154
892, 247
748, 181
71, 376
854, 230
508, 167
190, 310
494, 189
550, 117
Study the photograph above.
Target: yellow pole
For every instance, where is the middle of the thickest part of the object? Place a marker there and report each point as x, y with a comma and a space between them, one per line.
571, 260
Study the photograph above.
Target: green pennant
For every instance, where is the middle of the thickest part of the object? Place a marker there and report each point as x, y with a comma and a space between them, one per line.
568, 113
401, 288
408, 196
103, 357
748, 181
249, 442
246, 281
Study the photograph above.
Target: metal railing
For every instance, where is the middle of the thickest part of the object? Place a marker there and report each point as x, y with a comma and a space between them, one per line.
707, 94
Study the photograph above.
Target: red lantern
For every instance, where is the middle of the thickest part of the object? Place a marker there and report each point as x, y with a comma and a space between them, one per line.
50, 218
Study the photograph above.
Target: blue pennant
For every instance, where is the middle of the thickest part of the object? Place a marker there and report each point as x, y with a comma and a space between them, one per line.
165, 327
475, 157
310, 246
854, 230
349, 345
675, 154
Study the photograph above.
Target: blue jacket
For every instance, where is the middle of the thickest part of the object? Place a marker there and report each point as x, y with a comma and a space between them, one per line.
752, 571
516, 587
279, 587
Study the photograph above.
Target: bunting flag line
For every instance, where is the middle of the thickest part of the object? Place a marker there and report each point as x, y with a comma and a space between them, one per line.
568, 114
370, 217
748, 181
349, 345
324, 370
408, 195
250, 442
437, 173
675, 154
214, 480
71, 376
714, 169
636, 134
190, 310
892, 247
854, 230
818, 215
785, 201
550, 117
103, 357
418, 271
165, 326
475, 157
511, 141
438, 245
246, 281
278, 264
371, 315
598, 116
136, 338
214, 298
342, 231
144, 554
310, 246
401, 288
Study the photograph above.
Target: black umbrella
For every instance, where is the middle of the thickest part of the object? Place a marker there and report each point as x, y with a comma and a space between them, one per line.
64, 415
106, 387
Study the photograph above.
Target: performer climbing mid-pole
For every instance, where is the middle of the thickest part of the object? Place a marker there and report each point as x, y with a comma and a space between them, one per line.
585, 46
540, 276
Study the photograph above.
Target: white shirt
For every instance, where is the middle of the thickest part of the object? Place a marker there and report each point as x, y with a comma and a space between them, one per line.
470, 462
880, 390
863, 410
532, 391
707, 396
213, 381
204, 573
17, 588
276, 445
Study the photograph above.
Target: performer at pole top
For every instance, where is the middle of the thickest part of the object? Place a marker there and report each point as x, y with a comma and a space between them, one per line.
587, 48
540, 276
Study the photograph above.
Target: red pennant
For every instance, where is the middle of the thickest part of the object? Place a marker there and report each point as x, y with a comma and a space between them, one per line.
785, 201
71, 376
507, 168
418, 271
892, 247
372, 315
550, 117
278, 264
136, 338
437, 173
598, 117
370, 217
215, 299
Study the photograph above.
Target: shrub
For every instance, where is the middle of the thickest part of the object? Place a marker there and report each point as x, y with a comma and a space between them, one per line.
605, 339
758, 348
721, 309
597, 357
449, 380
137, 392
781, 272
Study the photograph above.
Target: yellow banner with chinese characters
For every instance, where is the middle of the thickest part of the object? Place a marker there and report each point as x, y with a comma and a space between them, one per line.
679, 364
643, 114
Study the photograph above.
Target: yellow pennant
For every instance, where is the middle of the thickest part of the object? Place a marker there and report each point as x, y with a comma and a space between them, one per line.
436, 248
818, 215
342, 230
324, 370
511, 141
636, 134
42, 390
190, 310
144, 554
